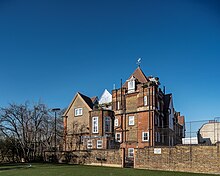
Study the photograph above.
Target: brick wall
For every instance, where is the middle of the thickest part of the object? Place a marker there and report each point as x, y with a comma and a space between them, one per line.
204, 159
180, 158
110, 157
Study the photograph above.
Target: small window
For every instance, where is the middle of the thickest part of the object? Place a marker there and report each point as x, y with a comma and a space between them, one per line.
162, 124
156, 140
158, 105
145, 136
95, 124
163, 138
116, 122
118, 137
130, 152
131, 120
78, 111
131, 85
99, 144
89, 144
155, 120
145, 101
158, 137
118, 105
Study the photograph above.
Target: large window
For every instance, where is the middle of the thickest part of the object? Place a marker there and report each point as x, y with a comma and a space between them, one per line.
131, 120
89, 144
107, 124
95, 124
116, 122
118, 137
130, 152
78, 112
99, 144
145, 136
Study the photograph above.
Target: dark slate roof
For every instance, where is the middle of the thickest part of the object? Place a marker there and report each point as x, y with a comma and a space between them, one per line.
167, 99
94, 99
87, 100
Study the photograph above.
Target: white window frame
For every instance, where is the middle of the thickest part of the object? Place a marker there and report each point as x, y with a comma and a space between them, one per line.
116, 137
131, 85
130, 120
95, 126
78, 112
99, 144
143, 136
118, 105
131, 152
89, 144
145, 100
116, 122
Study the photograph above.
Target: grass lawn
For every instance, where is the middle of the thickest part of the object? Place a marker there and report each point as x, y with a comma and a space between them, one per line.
77, 170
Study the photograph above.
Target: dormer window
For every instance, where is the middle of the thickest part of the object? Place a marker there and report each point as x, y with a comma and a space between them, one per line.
131, 85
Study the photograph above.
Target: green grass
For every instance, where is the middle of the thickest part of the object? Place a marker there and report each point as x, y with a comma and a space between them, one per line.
77, 170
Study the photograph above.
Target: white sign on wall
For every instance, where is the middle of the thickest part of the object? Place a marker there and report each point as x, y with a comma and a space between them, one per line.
157, 150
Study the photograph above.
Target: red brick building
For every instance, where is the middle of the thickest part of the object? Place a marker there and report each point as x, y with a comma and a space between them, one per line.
137, 115
145, 115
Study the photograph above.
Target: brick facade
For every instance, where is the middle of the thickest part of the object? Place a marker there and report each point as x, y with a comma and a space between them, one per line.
192, 158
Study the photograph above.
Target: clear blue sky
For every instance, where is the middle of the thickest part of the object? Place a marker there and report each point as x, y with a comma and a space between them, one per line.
50, 49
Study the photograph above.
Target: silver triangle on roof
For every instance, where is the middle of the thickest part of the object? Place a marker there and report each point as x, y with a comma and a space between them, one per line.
105, 98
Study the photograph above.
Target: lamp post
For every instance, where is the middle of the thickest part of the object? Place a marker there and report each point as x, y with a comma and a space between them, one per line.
55, 110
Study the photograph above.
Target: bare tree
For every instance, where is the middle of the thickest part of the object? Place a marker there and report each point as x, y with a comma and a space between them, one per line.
30, 129
75, 135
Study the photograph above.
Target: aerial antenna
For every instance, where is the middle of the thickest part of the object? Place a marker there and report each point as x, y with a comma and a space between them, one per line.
114, 87
139, 62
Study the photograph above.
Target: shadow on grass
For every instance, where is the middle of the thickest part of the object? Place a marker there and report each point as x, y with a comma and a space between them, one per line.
13, 166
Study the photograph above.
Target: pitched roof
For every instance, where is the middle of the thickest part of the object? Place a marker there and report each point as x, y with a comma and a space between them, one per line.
106, 97
94, 99
167, 99
87, 100
139, 74
181, 120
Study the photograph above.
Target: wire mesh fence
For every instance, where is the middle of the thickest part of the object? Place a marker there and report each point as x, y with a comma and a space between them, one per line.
205, 132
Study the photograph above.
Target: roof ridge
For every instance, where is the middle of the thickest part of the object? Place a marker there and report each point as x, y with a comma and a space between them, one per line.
87, 99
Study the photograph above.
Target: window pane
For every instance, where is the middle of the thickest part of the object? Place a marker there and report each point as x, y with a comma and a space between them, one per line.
130, 152
145, 136
145, 100
95, 124
107, 124
131, 120
116, 122
99, 143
